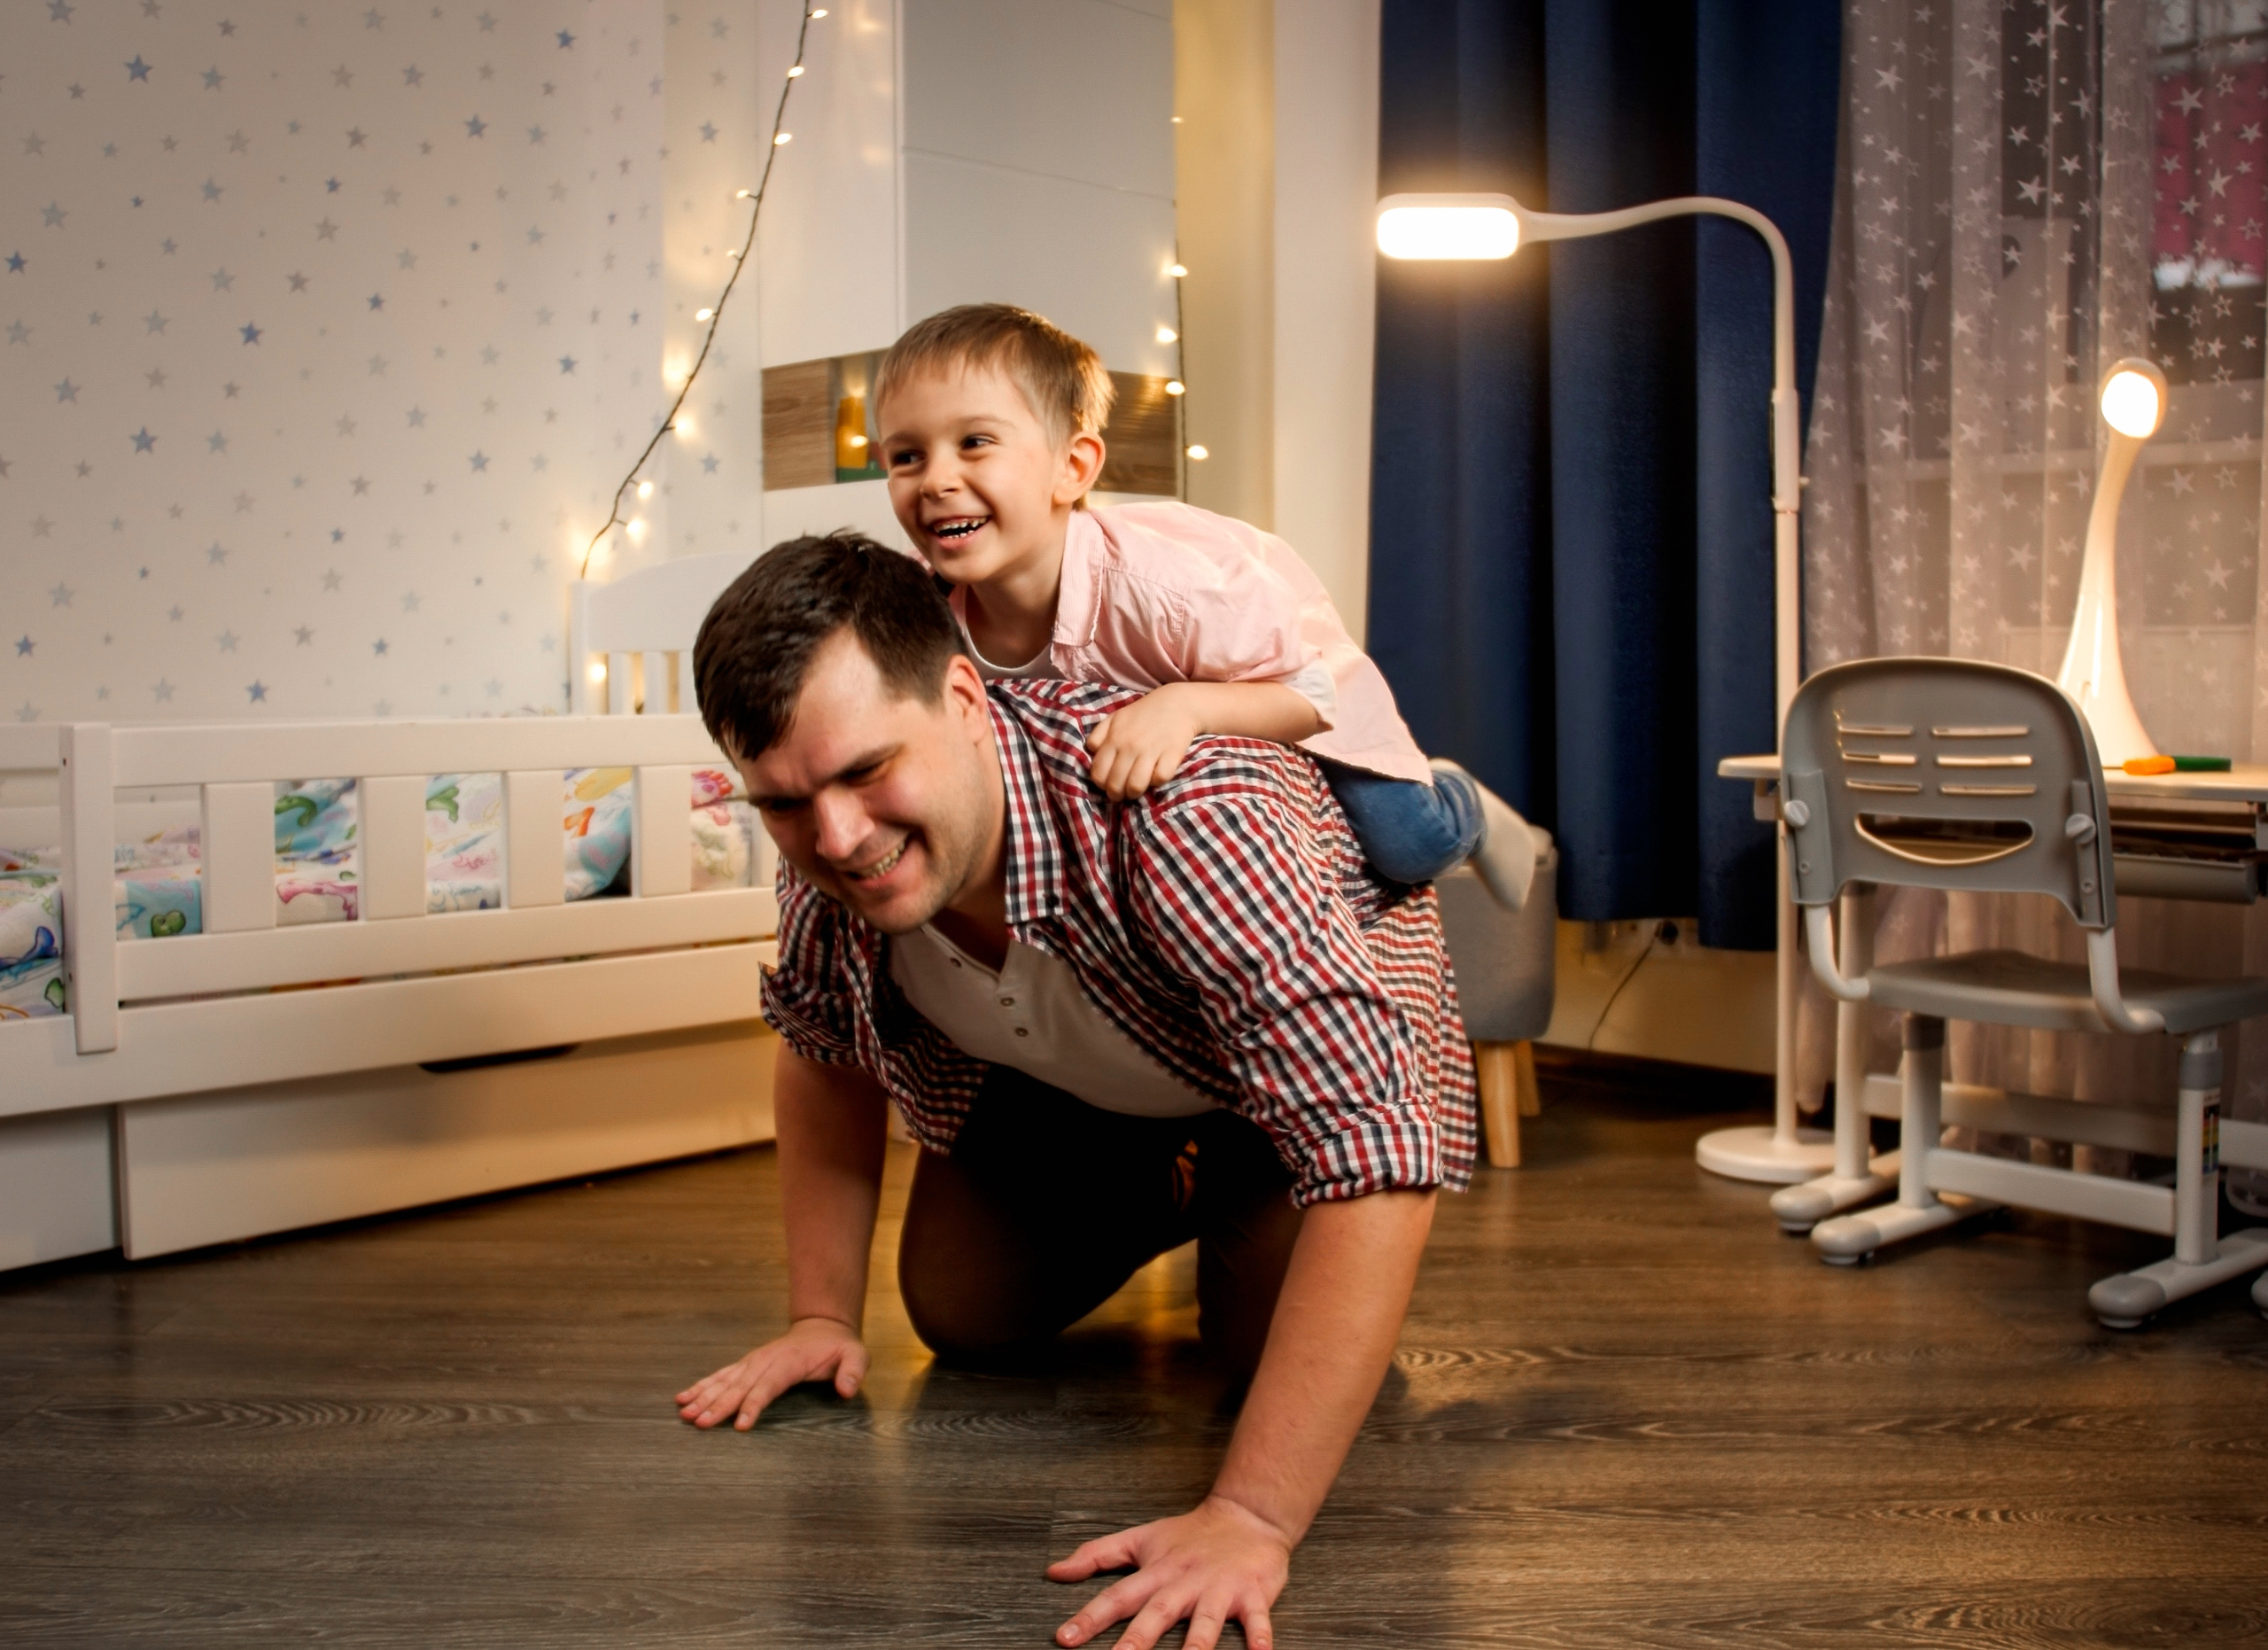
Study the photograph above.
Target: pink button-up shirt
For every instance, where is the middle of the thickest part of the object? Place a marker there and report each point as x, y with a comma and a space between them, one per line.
1166, 592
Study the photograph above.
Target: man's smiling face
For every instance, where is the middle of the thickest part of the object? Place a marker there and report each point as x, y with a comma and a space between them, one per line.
889, 805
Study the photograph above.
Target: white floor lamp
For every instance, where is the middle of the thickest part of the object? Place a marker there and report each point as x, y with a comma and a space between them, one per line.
2132, 403
1494, 226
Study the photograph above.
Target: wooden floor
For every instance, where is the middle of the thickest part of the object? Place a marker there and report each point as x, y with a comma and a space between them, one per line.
1625, 1414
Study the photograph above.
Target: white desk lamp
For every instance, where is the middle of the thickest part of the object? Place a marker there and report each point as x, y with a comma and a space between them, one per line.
1494, 226
2133, 399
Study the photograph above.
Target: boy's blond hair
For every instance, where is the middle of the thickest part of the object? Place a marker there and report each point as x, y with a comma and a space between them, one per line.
1063, 379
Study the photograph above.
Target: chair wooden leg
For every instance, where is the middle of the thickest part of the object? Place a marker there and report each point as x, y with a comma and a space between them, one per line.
1498, 1067
1524, 1075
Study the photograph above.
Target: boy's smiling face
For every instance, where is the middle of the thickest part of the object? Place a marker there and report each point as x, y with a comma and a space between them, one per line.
980, 486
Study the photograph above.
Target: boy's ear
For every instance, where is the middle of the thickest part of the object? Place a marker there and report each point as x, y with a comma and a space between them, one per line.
1081, 467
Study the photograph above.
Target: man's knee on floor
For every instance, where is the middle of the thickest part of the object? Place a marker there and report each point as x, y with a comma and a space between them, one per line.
957, 1315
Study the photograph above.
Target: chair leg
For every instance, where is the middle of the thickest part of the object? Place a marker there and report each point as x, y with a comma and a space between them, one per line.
1849, 1239
2202, 1257
1497, 1065
1524, 1078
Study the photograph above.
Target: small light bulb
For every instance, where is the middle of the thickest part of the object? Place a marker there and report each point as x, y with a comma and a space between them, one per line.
746, 194
818, 12
1174, 387
637, 527
795, 73
1199, 454
779, 138
732, 251
1176, 271
598, 670
683, 424
702, 314
645, 489
1166, 335
1176, 120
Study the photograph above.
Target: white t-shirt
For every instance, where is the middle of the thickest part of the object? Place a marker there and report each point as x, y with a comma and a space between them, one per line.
1040, 668
1033, 1016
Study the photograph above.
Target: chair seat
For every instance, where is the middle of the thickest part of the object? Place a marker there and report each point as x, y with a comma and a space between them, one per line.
2013, 988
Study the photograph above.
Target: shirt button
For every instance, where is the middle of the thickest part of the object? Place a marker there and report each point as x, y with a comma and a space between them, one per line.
1021, 1031
1007, 1002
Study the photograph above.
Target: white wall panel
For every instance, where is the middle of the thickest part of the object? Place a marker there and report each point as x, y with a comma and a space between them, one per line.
1325, 276
1073, 88
828, 275
863, 506
1091, 260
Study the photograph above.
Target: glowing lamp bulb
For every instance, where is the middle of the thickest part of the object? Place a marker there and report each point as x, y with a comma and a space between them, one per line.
745, 194
732, 251
702, 314
1166, 335
598, 670
1448, 231
2132, 405
820, 12
637, 528
779, 138
1199, 454
1174, 387
795, 73
1176, 271
645, 489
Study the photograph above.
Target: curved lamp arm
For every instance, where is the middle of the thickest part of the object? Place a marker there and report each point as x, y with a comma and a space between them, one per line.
1497, 224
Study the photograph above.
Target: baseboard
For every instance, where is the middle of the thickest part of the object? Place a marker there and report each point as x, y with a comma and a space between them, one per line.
235, 1163
1624, 989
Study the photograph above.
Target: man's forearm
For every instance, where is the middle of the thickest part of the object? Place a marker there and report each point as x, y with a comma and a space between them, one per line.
1341, 1311
833, 1121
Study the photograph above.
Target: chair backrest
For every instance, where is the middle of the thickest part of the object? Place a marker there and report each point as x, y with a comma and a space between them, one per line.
1939, 773
656, 612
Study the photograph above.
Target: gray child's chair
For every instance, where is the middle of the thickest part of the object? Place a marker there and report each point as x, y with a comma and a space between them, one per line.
1949, 774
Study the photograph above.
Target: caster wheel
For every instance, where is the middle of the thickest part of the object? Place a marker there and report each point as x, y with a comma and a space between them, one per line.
1795, 1232
1843, 1260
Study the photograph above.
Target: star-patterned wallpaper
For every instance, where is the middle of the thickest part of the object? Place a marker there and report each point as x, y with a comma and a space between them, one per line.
329, 330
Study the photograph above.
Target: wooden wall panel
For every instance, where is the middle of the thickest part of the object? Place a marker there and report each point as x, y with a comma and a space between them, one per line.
798, 425
1143, 437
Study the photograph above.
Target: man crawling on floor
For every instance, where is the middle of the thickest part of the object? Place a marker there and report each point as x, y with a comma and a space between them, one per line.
1113, 1028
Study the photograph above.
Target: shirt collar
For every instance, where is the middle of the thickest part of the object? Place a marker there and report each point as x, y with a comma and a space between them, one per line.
1077, 608
1031, 852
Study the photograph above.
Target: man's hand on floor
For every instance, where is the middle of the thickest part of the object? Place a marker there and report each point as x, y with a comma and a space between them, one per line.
812, 1350
1218, 1564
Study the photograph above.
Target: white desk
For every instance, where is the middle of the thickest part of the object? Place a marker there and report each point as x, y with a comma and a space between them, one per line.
1854, 1177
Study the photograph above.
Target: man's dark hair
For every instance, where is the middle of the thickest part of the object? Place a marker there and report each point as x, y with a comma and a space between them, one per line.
756, 646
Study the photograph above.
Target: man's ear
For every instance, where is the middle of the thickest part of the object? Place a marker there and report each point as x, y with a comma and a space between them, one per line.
1082, 462
964, 695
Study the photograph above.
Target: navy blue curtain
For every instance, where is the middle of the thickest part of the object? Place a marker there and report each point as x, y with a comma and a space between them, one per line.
1571, 546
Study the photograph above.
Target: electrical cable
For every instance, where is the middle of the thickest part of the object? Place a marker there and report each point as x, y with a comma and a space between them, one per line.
716, 312
1613, 997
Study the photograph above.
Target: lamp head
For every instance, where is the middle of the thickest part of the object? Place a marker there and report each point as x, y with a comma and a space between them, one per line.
1449, 226
2132, 398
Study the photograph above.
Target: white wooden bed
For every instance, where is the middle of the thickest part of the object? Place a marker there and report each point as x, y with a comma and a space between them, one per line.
251, 1078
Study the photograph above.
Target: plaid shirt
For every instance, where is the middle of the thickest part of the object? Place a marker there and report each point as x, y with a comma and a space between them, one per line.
1226, 922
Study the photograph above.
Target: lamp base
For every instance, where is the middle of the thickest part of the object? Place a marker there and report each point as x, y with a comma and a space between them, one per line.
1760, 1154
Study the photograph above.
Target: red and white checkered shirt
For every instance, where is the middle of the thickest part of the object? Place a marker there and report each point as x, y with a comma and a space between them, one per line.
1226, 922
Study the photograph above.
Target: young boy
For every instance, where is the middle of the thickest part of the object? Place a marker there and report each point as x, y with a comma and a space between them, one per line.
991, 434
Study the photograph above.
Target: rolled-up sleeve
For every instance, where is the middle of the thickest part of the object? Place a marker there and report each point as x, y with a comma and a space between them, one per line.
1232, 894
806, 998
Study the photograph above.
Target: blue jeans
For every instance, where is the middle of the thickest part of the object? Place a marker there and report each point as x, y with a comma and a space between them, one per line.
1409, 832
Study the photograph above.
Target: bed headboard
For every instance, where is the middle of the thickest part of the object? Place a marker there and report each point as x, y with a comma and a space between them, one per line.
635, 635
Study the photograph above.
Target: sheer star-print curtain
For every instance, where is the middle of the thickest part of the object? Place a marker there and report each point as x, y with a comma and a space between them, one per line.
2029, 189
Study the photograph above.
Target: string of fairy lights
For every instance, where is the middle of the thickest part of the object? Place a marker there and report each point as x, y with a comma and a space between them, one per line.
714, 314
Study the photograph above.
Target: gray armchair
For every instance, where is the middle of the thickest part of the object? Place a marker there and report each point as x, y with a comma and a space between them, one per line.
1504, 978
